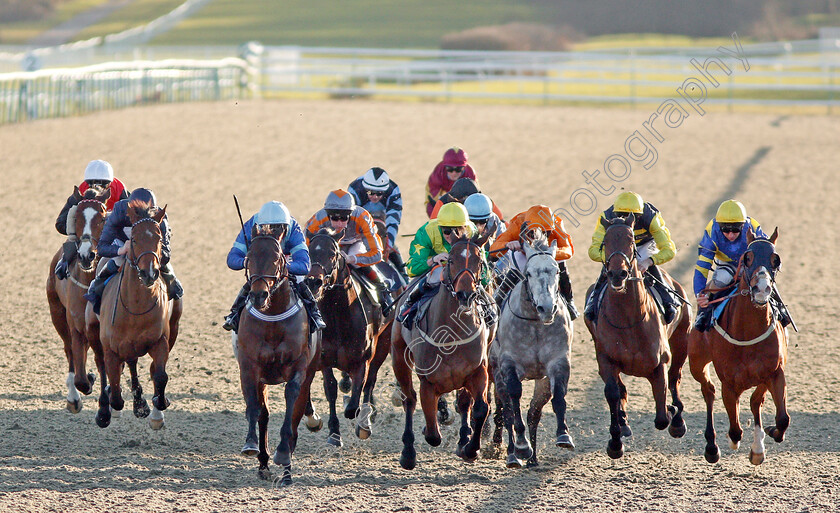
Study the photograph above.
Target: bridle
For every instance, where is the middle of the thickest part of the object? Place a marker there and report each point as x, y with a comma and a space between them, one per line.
331, 275
629, 261
134, 260
448, 281
81, 206
280, 270
527, 286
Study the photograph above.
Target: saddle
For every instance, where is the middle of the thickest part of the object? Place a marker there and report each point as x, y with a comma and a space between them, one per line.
367, 286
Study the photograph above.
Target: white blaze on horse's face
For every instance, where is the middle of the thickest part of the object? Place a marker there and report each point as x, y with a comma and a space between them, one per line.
86, 247
762, 286
541, 273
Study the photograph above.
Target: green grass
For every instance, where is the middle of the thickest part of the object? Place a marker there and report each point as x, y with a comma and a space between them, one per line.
21, 32
136, 13
649, 40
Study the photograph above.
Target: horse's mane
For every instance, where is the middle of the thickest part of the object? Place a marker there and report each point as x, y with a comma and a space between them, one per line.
327, 230
541, 245
143, 209
91, 193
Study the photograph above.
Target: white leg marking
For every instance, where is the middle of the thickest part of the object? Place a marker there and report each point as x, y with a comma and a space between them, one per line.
363, 418
72, 393
758, 443
234, 340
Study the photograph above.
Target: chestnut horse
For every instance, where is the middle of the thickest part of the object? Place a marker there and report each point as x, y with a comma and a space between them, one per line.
273, 347
355, 340
67, 306
748, 348
630, 338
448, 350
137, 318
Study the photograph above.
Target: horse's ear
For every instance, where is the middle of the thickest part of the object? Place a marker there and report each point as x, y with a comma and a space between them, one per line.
774, 236
553, 248
131, 212
481, 238
159, 215
77, 193
104, 195
750, 236
254, 230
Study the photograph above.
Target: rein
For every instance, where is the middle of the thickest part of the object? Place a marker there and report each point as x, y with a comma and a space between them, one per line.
629, 262
133, 262
280, 274
526, 284
448, 281
331, 281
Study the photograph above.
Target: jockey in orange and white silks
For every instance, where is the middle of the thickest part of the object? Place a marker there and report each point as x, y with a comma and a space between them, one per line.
360, 244
527, 226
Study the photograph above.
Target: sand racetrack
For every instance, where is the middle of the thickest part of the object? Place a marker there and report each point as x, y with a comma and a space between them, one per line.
195, 156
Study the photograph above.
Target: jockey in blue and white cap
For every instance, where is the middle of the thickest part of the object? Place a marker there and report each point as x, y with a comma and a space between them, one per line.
293, 243
112, 246
480, 209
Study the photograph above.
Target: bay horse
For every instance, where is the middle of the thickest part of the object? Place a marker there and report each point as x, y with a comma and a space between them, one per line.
356, 340
630, 337
136, 318
273, 347
533, 342
447, 349
65, 297
748, 348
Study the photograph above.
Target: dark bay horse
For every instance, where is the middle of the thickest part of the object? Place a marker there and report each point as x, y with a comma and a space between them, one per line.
273, 347
631, 338
447, 349
356, 339
137, 318
748, 348
67, 306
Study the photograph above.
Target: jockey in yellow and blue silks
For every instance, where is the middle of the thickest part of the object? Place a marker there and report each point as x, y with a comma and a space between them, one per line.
724, 242
430, 251
654, 247
275, 215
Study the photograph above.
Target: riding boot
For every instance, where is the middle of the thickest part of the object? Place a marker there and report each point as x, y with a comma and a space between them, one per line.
509, 281
397, 260
406, 315
97, 286
704, 315
173, 286
68, 254
232, 319
382, 289
316, 321
669, 304
590, 311
564, 286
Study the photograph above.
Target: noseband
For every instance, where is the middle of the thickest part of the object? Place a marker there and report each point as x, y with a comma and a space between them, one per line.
134, 260
450, 282
81, 206
280, 273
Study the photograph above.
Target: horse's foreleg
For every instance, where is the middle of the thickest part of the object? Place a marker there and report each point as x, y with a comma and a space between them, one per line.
612, 393
698, 364
159, 352
428, 403
464, 401
80, 378
140, 407
679, 353
113, 367
542, 394
623, 425
778, 390
660, 388
283, 453
756, 403
730, 401
498, 415
261, 392
504, 410
103, 415
358, 375
513, 386
331, 391
252, 413
559, 387
477, 387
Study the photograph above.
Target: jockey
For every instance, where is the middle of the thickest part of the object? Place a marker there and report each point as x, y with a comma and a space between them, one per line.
480, 210
98, 175
528, 226
654, 247
452, 167
113, 245
381, 197
462, 189
721, 248
286, 228
430, 250
361, 246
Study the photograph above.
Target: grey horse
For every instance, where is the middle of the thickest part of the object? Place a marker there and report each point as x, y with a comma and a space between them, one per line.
533, 342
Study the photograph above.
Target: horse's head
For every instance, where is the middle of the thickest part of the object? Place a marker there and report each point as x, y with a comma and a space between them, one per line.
146, 243
541, 273
327, 261
619, 248
90, 219
463, 268
761, 262
265, 265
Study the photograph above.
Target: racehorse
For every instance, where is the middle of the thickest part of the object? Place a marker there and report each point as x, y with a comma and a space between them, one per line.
136, 318
447, 348
67, 306
274, 347
533, 342
355, 340
631, 338
748, 348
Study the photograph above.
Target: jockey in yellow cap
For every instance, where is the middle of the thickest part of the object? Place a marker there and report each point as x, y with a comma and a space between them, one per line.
654, 247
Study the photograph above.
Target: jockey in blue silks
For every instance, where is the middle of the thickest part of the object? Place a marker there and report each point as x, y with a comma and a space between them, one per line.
293, 243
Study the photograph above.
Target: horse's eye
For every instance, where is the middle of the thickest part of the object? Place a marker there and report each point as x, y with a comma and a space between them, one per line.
748, 258
775, 261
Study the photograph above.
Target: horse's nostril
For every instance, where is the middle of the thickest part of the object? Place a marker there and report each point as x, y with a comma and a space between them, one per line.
541, 309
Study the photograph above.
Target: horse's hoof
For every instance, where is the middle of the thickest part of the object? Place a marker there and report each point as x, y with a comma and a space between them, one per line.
116, 413
712, 454
626, 432
756, 458
532, 462
615, 450
334, 439
523, 452
408, 458
74, 406
315, 424
469, 457
776, 434
661, 424
677, 431
264, 473
445, 418
433, 440
734, 445
565, 441
160, 405
513, 461
250, 449
345, 384
286, 480
156, 424
284, 459
91, 378
396, 398
672, 409
103, 420
362, 433
141, 409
